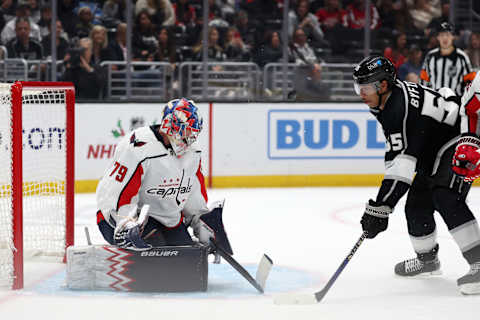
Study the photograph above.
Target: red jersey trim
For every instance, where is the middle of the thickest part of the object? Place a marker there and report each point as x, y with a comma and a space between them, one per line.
201, 179
100, 217
132, 187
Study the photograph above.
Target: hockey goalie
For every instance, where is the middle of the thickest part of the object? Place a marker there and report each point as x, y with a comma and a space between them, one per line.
150, 195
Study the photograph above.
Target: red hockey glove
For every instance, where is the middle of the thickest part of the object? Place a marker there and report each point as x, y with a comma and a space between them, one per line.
466, 159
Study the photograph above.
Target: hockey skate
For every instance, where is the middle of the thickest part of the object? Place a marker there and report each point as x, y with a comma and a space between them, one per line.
425, 264
470, 283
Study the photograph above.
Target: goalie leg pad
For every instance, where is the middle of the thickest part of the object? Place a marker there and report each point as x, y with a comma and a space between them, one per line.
164, 269
214, 220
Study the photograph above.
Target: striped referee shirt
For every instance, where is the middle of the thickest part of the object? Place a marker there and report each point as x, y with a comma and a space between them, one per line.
451, 71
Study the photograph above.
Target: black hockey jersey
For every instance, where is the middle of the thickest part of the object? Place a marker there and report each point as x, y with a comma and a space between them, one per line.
419, 124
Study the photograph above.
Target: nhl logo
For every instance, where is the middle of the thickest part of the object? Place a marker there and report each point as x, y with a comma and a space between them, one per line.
452, 71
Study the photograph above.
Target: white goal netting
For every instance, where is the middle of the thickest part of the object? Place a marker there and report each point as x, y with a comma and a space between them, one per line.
44, 176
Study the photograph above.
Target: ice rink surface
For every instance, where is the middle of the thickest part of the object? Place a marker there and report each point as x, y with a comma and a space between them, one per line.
307, 232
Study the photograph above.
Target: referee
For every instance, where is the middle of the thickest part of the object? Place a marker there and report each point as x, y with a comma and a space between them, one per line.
446, 66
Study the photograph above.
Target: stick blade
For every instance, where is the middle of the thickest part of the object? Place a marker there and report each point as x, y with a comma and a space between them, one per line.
289, 299
263, 270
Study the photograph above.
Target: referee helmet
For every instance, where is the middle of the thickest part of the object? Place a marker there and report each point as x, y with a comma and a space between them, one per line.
445, 27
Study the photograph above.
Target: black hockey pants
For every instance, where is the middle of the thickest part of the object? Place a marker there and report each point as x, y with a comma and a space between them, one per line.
444, 192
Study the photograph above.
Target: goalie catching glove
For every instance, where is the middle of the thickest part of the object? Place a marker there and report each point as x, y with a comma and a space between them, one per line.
375, 218
466, 159
128, 233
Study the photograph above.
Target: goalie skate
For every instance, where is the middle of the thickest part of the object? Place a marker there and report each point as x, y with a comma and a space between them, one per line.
470, 283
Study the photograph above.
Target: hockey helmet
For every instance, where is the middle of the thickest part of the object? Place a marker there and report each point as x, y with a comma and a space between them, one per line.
182, 123
373, 70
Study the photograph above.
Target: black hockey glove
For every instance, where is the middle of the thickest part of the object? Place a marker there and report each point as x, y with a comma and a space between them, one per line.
129, 237
375, 218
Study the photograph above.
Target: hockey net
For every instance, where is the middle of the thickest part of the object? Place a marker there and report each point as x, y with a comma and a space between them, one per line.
36, 176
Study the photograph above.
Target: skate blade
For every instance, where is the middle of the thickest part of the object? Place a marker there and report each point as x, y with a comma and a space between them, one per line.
470, 288
423, 275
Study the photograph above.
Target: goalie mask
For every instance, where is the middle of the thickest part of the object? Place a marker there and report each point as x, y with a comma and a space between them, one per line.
181, 123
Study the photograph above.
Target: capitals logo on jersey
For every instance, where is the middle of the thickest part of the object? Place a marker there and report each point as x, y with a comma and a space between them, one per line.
136, 142
170, 188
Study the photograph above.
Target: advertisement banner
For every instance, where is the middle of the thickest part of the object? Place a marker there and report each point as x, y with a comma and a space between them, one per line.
324, 134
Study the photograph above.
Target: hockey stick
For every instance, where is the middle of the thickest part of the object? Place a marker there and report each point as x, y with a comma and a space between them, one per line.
318, 296
263, 270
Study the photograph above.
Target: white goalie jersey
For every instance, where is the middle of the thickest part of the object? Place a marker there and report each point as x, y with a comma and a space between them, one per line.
143, 171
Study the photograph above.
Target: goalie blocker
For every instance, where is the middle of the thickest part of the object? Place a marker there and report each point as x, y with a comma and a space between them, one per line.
161, 269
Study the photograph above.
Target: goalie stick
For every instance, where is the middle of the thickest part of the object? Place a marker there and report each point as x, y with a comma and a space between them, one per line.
318, 296
263, 269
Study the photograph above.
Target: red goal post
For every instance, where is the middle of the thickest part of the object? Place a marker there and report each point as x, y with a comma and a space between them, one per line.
37, 175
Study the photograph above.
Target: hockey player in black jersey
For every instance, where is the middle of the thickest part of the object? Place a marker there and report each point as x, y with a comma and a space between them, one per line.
421, 127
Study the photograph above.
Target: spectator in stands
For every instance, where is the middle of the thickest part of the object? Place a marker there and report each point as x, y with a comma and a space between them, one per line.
7, 10
308, 81
22, 46
398, 52
262, 10
473, 50
67, 15
215, 51
3, 15
302, 18
184, 13
119, 44
355, 17
85, 22
166, 51
89, 79
34, 10
301, 51
412, 77
144, 40
22, 11
331, 16
161, 11
235, 49
387, 13
113, 12
214, 11
413, 64
271, 50
101, 51
45, 21
423, 11
249, 30
61, 43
